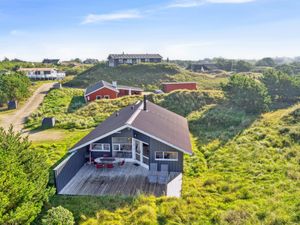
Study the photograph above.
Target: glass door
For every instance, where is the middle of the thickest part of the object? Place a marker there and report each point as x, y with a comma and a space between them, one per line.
137, 151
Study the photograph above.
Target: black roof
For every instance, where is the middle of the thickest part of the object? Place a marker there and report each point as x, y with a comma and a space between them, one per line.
50, 61
99, 85
103, 83
156, 122
134, 56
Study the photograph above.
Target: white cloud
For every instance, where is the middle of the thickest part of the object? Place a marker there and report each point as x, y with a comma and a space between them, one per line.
195, 3
98, 18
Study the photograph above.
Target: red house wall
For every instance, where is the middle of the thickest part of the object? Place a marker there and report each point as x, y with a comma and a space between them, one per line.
104, 91
178, 86
123, 92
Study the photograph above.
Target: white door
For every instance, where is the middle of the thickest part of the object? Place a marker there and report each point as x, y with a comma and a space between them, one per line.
141, 153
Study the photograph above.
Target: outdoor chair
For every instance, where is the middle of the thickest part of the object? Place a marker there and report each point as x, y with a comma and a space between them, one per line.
152, 176
100, 166
110, 166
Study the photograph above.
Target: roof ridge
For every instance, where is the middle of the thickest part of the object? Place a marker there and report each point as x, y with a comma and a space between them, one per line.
135, 114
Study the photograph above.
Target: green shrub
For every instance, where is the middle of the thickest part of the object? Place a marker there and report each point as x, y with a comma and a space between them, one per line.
58, 216
247, 93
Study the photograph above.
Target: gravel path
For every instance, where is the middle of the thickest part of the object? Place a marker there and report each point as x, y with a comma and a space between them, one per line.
18, 118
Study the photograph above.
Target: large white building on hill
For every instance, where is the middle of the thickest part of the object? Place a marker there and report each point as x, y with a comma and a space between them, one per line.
43, 73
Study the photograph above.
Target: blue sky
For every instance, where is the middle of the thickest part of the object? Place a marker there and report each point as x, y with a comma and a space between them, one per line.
178, 29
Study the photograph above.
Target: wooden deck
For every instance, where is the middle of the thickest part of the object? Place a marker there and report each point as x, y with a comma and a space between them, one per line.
126, 180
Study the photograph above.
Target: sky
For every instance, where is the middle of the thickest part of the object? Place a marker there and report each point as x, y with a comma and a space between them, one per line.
176, 29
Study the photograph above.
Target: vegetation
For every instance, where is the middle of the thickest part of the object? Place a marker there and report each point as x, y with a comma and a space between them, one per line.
244, 170
281, 87
23, 179
266, 62
149, 76
245, 167
247, 93
13, 65
71, 112
13, 87
58, 216
249, 178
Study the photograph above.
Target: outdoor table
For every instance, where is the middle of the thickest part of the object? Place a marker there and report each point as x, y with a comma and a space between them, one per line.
107, 160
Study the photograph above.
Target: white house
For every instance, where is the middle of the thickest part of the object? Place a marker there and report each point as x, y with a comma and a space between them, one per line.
43, 73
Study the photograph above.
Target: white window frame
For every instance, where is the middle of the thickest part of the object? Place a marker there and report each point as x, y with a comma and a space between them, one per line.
98, 97
119, 148
163, 159
106, 97
99, 150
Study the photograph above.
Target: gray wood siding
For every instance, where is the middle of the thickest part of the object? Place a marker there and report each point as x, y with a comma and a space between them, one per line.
67, 169
123, 133
174, 166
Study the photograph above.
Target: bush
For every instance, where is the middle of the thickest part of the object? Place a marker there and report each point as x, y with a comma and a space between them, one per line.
58, 216
23, 179
247, 93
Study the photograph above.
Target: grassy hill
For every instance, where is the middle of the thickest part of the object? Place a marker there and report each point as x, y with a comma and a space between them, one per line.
149, 76
245, 167
71, 112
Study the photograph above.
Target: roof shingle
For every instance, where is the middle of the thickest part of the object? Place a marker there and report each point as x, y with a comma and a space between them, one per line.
157, 122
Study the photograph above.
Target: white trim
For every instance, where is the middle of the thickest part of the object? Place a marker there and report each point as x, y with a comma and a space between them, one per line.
98, 150
140, 141
64, 161
115, 90
98, 138
163, 159
106, 97
134, 115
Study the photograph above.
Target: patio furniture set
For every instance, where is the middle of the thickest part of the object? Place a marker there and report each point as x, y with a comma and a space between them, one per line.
158, 177
108, 162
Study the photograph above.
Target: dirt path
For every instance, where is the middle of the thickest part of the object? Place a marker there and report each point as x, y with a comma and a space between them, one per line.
17, 118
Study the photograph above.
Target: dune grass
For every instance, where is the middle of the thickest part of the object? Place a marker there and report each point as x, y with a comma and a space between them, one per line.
245, 167
148, 76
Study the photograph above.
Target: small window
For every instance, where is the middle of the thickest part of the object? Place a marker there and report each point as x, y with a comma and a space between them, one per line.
98, 97
116, 147
100, 147
106, 97
167, 156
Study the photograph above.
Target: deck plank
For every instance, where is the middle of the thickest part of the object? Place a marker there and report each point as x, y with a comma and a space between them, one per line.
126, 180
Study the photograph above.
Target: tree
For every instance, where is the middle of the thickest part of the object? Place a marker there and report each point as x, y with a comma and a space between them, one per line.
243, 66
23, 179
224, 64
247, 93
58, 216
281, 86
266, 62
14, 86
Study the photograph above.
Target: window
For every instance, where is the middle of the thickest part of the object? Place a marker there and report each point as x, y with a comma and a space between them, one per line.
121, 140
106, 96
100, 147
98, 97
122, 147
167, 156
47, 72
121, 143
